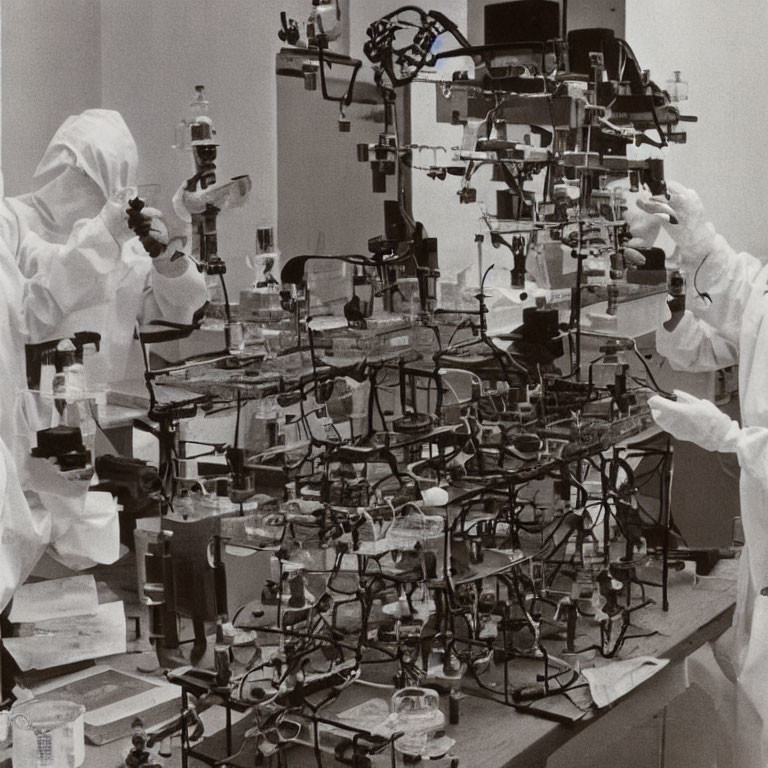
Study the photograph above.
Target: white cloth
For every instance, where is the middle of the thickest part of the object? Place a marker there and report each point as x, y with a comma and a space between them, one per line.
24, 532
103, 148
93, 536
734, 747
695, 346
611, 681
76, 276
735, 325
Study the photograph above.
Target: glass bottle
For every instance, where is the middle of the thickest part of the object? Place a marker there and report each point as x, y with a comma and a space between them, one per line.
196, 125
677, 88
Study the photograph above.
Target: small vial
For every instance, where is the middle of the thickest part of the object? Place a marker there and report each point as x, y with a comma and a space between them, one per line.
677, 88
676, 284
613, 299
676, 288
454, 698
236, 338
47, 372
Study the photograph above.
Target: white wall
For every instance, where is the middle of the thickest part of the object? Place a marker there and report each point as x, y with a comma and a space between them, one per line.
51, 68
156, 51
144, 58
720, 49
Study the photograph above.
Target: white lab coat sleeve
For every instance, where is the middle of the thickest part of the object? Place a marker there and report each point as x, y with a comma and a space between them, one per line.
695, 346
72, 275
173, 297
707, 338
728, 277
752, 450
10, 231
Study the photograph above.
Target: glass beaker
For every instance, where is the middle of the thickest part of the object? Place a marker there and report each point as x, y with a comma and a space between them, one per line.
48, 734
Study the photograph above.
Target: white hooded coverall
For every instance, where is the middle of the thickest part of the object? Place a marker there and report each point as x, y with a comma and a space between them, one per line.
76, 277
98, 143
733, 329
91, 157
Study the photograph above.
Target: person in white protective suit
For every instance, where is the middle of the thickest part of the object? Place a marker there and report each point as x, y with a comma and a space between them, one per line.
91, 156
729, 326
38, 506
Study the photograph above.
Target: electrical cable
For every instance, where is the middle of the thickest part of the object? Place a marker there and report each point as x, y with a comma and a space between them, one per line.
648, 371
704, 296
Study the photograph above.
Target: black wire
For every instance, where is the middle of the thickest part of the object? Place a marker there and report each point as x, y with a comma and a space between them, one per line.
227, 308
237, 420
467, 323
650, 374
659, 129
704, 296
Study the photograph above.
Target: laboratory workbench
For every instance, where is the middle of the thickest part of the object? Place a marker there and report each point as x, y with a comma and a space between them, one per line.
492, 735
117, 423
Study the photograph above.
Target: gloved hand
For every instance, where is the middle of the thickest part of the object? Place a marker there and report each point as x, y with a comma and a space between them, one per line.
682, 217
113, 215
695, 420
643, 226
226, 194
182, 205
150, 227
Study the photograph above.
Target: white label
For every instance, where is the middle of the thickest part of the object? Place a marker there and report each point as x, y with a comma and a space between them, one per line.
399, 341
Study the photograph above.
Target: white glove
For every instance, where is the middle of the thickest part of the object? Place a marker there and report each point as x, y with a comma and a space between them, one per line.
113, 215
151, 229
696, 421
223, 195
643, 226
165, 250
682, 216
181, 204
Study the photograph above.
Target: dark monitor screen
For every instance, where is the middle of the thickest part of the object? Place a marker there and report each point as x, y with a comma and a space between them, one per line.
522, 21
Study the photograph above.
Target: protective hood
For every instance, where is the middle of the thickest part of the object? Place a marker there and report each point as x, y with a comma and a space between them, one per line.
91, 157
98, 143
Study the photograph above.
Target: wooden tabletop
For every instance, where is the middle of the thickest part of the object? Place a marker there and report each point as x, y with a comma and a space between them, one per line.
506, 738
509, 739
113, 416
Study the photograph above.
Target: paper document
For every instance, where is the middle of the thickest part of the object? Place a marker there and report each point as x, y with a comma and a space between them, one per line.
614, 680
68, 640
112, 700
45, 600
